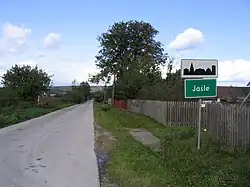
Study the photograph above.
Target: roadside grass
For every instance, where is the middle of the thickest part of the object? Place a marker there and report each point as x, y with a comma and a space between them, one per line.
25, 111
178, 164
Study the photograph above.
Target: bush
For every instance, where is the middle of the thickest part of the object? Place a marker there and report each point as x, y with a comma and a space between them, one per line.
74, 96
49, 102
12, 119
8, 97
99, 97
8, 119
25, 104
105, 107
2, 121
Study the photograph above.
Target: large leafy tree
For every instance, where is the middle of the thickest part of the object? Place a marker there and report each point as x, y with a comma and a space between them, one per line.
79, 93
85, 89
28, 82
130, 53
170, 88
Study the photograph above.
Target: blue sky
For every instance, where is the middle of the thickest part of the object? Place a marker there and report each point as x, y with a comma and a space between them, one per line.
214, 29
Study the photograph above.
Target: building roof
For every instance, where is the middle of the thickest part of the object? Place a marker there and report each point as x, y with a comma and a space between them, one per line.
230, 92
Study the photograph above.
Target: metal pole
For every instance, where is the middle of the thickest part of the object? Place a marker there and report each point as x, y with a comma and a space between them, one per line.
104, 94
245, 99
199, 126
113, 91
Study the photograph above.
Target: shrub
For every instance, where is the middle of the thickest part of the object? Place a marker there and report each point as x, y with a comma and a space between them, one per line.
2, 121
105, 107
49, 102
11, 119
99, 97
25, 104
8, 97
74, 96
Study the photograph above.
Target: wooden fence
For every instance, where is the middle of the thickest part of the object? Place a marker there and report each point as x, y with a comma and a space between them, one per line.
227, 123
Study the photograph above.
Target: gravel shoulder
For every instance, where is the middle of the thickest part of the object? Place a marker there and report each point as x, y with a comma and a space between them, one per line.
104, 142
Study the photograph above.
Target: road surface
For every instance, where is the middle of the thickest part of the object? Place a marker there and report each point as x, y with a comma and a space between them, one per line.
55, 150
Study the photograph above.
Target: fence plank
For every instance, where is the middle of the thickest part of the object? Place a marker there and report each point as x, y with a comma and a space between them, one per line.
227, 123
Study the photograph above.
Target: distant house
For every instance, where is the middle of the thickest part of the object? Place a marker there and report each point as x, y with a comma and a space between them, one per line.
96, 88
58, 90
62, 90
232, 94
52, 95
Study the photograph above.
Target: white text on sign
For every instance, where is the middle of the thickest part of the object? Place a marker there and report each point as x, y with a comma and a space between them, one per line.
201, 88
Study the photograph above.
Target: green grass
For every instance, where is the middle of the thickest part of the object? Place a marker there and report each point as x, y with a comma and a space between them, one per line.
23, 112
178, 164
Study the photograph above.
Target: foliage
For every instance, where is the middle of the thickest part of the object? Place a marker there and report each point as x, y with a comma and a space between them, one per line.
10, 116
130, 53
98, 96
25, 110
80, 93
73, 96
49, 102
28, 82
178, 163
129, 45
84, 89
23, 85
8, 97
132, 56
170, 88
105, 107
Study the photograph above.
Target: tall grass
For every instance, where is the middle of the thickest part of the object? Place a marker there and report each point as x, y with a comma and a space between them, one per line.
179, 163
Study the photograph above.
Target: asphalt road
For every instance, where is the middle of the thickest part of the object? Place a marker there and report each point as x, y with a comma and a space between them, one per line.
55, 150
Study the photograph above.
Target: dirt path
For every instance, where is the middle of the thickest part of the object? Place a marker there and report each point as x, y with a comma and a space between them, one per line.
103, 145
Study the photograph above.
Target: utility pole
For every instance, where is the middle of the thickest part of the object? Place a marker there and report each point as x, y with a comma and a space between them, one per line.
104, 93
113, 91
245, 99
199, 126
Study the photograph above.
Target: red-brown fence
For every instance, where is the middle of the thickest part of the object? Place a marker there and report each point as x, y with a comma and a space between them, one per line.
120, 104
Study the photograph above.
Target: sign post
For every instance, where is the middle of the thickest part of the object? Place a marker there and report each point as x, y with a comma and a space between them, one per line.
199, 126
203, 84
200, 88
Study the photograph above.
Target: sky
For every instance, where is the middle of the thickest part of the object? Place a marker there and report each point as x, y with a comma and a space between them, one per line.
60, 36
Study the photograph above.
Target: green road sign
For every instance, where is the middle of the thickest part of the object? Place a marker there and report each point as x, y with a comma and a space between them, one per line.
200, 88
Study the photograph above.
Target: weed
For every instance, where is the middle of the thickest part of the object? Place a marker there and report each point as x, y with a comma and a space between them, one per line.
179, 163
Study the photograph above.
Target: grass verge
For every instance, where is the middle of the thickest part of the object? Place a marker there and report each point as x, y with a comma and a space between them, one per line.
13, 115
177, 164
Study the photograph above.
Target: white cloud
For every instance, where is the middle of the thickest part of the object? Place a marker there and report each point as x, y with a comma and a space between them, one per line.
188, 39
64, 71
14, 38
234, 72
2, 72
52, 40
67, 72
231, 72
28, 62
39, 56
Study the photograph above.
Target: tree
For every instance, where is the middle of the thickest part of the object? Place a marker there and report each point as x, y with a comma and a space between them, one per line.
79, 93
27, 81
85, 90
129, 50
175, 85
8, 97
170, 88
